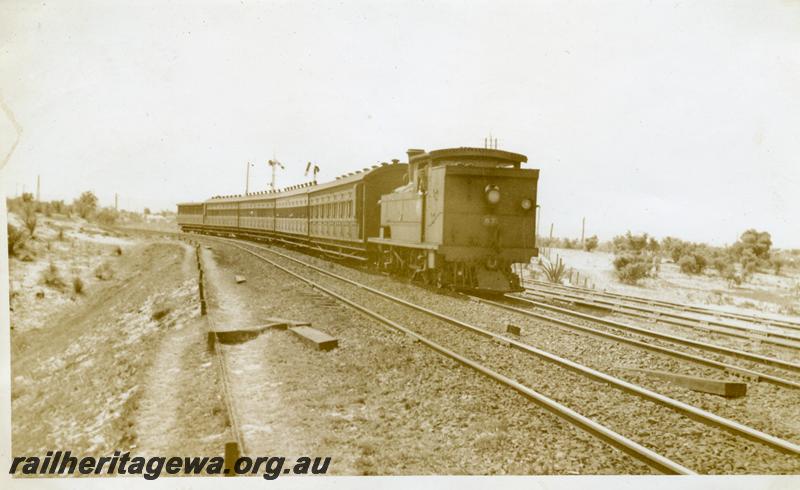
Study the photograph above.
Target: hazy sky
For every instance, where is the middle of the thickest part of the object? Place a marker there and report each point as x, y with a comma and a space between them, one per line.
675, 118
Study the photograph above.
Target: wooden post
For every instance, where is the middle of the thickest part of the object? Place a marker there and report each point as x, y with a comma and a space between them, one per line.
231, 455
211, 340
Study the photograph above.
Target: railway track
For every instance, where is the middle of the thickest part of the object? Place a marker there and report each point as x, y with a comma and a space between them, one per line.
237, 447
665, 314
681, 307
756, 359
615, 439
703, 361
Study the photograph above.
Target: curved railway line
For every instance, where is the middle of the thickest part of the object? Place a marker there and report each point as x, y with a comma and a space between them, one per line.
493, 350
681, 307
702, 346
704, 361
664, 314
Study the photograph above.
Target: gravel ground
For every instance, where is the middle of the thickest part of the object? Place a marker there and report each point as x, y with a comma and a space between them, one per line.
380, 403
698, 446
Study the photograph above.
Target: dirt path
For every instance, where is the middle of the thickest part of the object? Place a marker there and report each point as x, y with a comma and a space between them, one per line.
126, 369
253, 401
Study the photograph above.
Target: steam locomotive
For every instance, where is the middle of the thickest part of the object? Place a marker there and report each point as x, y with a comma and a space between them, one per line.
456, 217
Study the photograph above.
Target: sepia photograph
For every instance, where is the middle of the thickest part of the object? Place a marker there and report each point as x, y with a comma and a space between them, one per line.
313, 244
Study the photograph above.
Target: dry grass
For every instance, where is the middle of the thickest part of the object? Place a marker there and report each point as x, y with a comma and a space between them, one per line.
104, 271
51, 277
78, 285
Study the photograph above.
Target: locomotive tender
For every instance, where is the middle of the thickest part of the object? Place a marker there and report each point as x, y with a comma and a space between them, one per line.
456, 217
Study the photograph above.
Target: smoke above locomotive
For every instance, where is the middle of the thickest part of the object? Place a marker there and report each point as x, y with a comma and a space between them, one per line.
456, 217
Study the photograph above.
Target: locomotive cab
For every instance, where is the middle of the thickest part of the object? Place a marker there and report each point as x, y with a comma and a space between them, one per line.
463, 217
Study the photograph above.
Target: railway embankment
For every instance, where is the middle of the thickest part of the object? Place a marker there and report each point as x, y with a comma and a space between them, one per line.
116, 363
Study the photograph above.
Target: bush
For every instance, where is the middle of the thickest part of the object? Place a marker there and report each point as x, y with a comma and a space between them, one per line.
687, 264
77, 285
755, 242
591, 243
107, 216
631, 268
692, 262
16, 239
52, 277
554, 272
104, 271
86, 204
635, 257
777, 264
29, 217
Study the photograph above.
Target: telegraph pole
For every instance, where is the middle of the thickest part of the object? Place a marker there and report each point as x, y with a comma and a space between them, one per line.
551, 232
583, 230
38, 188
247, 180
116, 202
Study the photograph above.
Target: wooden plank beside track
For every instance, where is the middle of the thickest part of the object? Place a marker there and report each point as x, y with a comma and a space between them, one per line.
728, 389
321, 340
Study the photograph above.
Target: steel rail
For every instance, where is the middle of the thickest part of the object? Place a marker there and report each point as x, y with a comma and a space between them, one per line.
771, 361
690, 411
755, 375
220, 361
679, 306
657, 315
671, 316
628, 446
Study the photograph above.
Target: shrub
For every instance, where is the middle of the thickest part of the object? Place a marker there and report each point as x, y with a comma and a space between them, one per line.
58, 207
554, 272
630, 243
118, 250
52, 277
161, 313
16, 239
107, 216
631, 268
104, 271
687, 264
77, 285
692, 262
758, 243
86, 204
777, 264
635, 257
591, 243
29, 217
